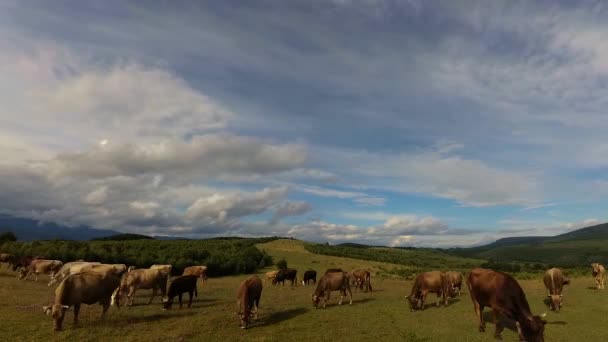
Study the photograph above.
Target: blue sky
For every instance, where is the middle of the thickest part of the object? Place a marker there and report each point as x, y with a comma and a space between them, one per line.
422, 123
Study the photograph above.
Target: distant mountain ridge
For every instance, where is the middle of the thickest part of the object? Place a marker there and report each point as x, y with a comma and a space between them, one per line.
30, 230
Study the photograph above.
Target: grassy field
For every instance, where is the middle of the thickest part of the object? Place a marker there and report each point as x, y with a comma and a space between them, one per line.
286, 314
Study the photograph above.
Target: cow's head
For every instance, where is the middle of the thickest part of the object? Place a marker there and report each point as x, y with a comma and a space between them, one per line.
57, 311
167, 303
595, 269
556, 301
532, 328
316, 298
414, 302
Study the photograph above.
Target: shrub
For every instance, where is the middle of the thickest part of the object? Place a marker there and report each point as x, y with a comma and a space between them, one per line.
281, 264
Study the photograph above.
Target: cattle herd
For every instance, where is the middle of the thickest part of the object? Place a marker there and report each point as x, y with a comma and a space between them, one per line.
108, 284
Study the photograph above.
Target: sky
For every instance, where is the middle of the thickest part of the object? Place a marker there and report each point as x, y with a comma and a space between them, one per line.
399, 123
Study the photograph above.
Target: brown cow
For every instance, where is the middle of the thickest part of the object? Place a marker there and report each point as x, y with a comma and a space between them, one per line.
179, 286
117, 269
247, 296
199, 271
554, 282
425, 283
166, 268
270, 275
598, 272
362, 279
40, 266
504, 295
141, 279
88, 288
332, 270
286, 274
454, 283
69, 268
332, 281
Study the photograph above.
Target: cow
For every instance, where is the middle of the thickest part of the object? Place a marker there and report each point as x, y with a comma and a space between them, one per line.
554, 282
25, 261
166, 268
309, 276
425, 283
117, 269
286, 274
68, 269
332, 281
454, 283
179, 286
332, 270
8, 259
199, 271
88, 288
270, 275
141, 279
362, 279
598, 272
504, 295
40, 266
247, 296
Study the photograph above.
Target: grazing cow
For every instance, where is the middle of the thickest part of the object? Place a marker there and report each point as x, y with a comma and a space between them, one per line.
270, 276
178, 287
332, 270
8, 259
247, 296
598, 272
286, 274
40, 266
454, 283
504, 295
117, 269
199, 271
141, 279
166, 268
25, 261
332, 281
309, 276
362, 279
425, 283
68, 269
88, 288
554, 282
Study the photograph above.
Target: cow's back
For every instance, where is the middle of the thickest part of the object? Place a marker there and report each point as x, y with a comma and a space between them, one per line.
86, 287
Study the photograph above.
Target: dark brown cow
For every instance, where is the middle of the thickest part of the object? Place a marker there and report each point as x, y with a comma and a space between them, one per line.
8, 259
286, 274
454, 283
88, 288
309, 276
332, 281
504, 295
554, 282
362, 279
247, 296
178, 287
425, 283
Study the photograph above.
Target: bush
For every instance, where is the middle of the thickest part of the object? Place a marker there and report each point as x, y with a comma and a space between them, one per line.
7, 236
281, 264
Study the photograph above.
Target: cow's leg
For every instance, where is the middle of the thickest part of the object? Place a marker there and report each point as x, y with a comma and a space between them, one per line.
105, 307
190, 299
180, 300
153, 295
36, 276
131, 295
76, 312
342, 294
499, 326
423, 299
350, 296
326, 299
479, 313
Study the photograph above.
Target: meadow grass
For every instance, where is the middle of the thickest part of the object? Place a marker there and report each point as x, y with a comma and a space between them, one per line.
286, 313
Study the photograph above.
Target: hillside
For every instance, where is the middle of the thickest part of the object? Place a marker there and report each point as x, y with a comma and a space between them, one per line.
31, 230
577, 248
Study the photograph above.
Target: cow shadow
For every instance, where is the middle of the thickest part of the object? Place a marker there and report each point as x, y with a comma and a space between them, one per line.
591, 287
148, 318
281, 316
360, 301
488, 317
453, 301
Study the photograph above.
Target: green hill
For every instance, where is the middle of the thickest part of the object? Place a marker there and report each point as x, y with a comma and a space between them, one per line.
577, 248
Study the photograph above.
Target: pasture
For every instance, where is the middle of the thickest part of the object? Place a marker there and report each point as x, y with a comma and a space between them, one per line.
286, 314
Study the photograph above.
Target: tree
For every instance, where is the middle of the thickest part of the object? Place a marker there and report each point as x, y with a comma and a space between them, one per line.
7, 236
281, 264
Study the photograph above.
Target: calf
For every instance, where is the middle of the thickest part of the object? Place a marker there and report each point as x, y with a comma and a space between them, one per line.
178, 287
504, 295
88, 288
332, 281
248, 295
554, 282
425, 283
309, 276
598, 272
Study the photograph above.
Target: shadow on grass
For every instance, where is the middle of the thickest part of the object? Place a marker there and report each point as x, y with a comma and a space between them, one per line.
488, 317
592, 288
148, 318
359, 301
280, 316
